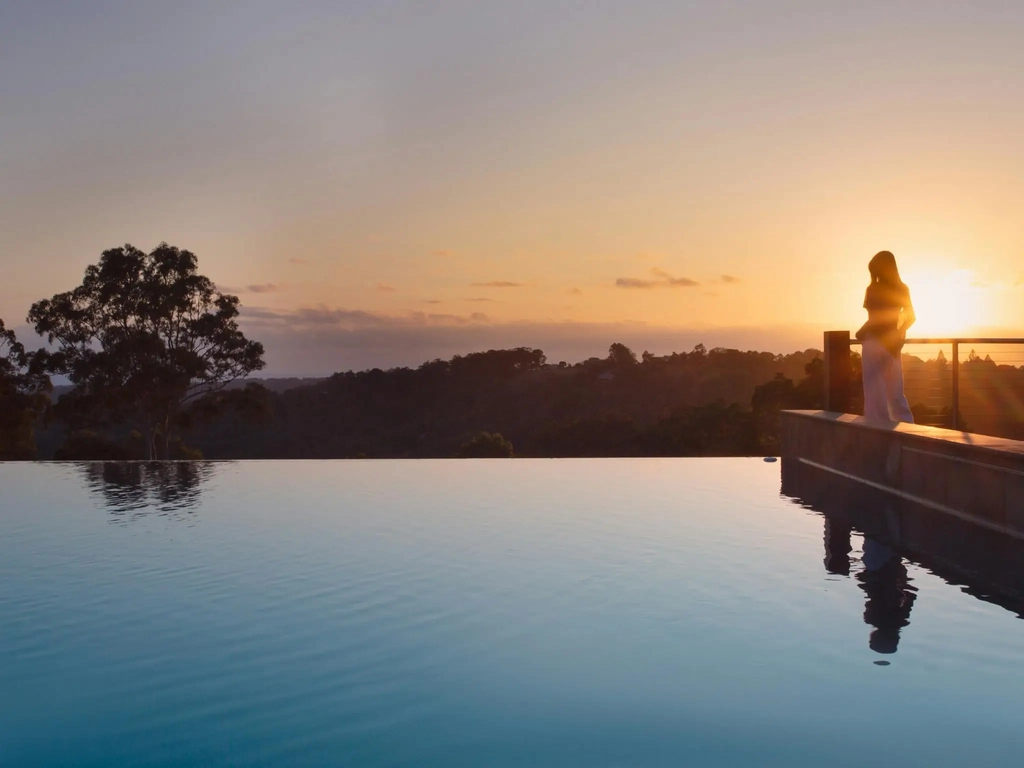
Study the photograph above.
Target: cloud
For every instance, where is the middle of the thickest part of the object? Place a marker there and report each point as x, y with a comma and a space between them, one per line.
497, 284
483, 299
635, 282
662, 280
682, 282
729, 279
298, 262
432, 301
383, 287
442, 253
574, 292
350, 319
260, 288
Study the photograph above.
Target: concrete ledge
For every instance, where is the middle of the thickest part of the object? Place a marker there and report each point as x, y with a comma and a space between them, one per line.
973, 477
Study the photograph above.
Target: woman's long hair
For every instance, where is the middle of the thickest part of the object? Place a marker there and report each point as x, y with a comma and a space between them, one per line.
883, 270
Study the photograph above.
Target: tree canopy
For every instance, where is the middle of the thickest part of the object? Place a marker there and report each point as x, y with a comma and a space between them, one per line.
143, 339
24, 395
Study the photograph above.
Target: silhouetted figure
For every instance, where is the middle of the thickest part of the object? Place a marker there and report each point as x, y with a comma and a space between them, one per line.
890, 314
889, 595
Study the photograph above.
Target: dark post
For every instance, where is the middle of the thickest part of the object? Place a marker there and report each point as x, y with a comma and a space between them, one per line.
837, 371
956, 385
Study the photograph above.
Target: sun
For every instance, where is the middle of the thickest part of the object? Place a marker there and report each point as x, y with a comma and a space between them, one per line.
950, 304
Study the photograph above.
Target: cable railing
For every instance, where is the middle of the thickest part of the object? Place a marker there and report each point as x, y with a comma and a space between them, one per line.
972, 384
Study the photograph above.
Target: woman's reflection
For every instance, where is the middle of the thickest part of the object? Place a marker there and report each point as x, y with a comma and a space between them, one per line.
884, 579
890, 597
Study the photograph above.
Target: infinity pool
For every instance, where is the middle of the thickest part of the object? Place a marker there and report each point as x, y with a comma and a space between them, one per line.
480, 613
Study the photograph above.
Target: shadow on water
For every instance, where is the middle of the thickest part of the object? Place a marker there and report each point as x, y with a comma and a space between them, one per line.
985, 564
131, 490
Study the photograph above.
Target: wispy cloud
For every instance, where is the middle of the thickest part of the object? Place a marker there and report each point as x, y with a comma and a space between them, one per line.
480, 299
298, 262
432, 301
497, 284
443, 253
574, 292
264, 288
730, 279
352, 319
662, 279
384, 287
259, 288
636, 282
678, 282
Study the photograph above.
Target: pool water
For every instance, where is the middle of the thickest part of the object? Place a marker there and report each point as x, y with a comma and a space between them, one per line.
480, 613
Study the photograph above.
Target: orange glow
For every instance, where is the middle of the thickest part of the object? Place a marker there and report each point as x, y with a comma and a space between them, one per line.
947, 304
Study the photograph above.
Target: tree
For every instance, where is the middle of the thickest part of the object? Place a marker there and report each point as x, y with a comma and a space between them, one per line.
779, 394
24, 396
621, 355
142, 339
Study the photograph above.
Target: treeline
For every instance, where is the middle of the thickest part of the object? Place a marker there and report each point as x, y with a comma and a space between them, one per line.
706, 402
698, 403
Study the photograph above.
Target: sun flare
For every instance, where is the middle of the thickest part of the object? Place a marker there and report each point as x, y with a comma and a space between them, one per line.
949, 304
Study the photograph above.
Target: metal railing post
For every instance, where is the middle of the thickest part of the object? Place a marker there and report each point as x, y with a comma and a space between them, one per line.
956, 385
838, 371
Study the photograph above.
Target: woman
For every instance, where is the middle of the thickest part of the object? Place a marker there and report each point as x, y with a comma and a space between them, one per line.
890, 314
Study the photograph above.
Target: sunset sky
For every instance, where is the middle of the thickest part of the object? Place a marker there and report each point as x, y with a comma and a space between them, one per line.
386, 182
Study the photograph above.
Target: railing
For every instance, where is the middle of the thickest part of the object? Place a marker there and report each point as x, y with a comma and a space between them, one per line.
983, 392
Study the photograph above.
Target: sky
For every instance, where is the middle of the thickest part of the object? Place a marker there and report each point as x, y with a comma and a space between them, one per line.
384, 183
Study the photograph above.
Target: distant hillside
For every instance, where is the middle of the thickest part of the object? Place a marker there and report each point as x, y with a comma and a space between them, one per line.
272, 385
694, 403
707, 402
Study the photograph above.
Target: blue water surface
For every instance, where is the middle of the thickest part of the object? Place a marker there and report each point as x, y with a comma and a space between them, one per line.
475, 613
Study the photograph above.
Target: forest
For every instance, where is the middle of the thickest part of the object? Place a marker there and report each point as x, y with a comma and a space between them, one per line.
498, 403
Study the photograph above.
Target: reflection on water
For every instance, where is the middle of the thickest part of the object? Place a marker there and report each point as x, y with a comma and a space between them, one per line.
984, 563
883, 578
837, 546
135, 489
890, 597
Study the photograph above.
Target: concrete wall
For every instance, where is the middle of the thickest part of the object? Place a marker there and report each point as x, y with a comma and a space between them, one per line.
972, 477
